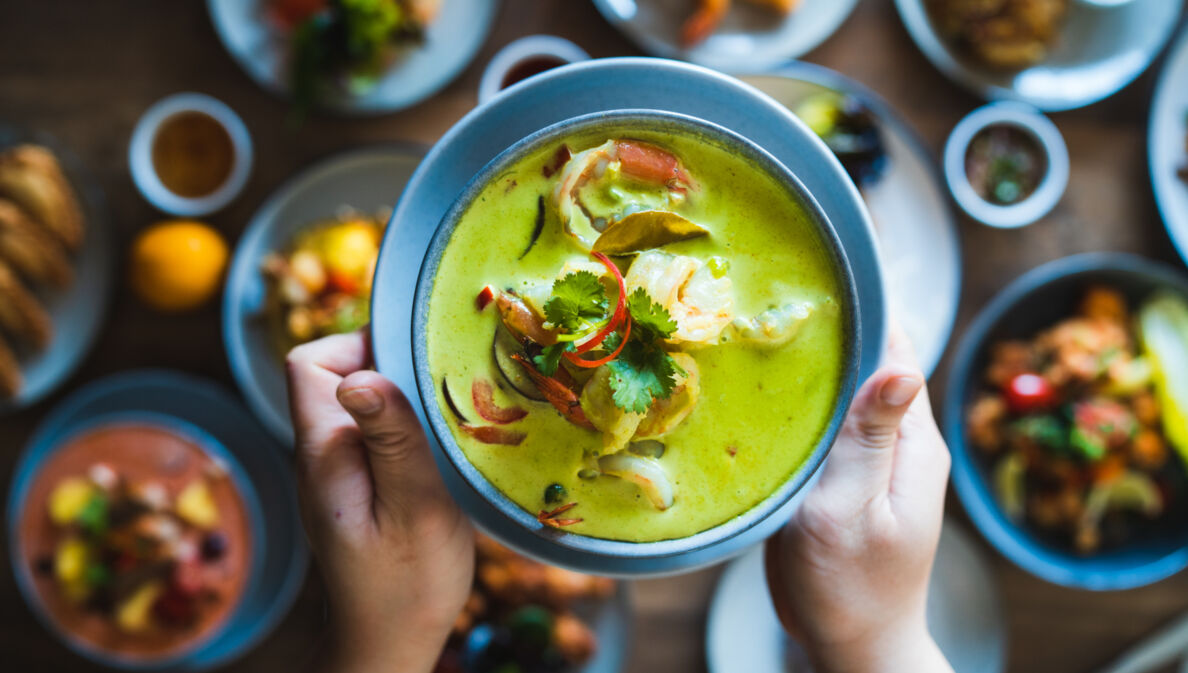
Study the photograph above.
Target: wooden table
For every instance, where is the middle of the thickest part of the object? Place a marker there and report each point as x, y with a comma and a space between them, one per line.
84, 71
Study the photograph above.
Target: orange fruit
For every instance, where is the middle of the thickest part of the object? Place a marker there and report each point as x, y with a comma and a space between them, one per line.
177, 265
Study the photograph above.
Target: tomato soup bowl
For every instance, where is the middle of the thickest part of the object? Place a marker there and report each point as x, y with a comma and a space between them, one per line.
495, 511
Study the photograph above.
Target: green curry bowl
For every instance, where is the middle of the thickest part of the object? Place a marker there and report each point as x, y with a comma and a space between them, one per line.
635, 336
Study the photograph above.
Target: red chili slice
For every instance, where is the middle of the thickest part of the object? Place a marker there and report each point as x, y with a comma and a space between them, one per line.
483, 396
591, 364
620, 307
489, 434
485, 296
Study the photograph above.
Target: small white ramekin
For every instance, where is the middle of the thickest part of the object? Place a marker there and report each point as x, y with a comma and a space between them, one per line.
140, 155
521, 50
1051, 187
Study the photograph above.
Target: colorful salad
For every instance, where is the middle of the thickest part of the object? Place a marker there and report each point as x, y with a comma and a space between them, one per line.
1085, 424
322, 285
523, 617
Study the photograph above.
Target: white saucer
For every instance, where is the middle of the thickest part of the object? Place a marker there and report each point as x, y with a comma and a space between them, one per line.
918, 235
964, 614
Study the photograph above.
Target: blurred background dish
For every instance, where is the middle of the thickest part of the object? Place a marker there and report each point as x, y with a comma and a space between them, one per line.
1053, 54
964, 615
167, 412
744, 36
1006, 165
898, 179
303, 268
490, 129
55, 265
520, 59
190, 154
1167, 144
289, 48
1069, 449
528, 617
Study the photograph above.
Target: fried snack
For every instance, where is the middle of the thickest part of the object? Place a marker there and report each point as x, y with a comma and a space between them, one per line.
11, 380
31, 250
21, 315
1001, 34
32, 177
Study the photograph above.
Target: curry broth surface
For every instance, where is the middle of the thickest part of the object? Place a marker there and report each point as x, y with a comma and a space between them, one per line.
766, 406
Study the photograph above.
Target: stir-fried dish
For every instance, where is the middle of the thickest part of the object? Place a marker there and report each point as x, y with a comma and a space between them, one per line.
709, 13
851, 131
523, 617
322, 284
1082, 423
638, 338
137, 540
1001, 34
346, 45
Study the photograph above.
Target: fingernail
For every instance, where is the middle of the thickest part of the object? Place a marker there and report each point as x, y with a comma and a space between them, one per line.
362, 401
900, 390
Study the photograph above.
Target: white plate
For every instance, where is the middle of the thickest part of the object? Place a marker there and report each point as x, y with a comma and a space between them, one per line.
1165, 144
749, 39
964, 615
368, 180
918, 236
451, 42
78, 311
1099, 51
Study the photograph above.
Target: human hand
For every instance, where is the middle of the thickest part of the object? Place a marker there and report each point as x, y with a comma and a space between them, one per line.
849, 574
396, 553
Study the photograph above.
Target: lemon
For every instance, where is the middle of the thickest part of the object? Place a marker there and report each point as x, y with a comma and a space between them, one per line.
177, 265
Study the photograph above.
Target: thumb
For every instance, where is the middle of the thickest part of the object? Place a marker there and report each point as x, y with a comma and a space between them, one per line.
862, 459
398, 454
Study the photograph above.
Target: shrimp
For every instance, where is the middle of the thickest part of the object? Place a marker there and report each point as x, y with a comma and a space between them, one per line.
604, 183
701, 304
666, 414
646, 473
616, 425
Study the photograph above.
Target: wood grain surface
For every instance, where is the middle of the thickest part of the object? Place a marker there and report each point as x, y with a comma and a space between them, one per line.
84, 72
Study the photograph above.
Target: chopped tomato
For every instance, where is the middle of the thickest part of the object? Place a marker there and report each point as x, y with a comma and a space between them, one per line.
482, 394
1027, 393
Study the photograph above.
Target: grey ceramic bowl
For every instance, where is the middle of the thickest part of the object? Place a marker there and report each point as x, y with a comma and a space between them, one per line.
598, 554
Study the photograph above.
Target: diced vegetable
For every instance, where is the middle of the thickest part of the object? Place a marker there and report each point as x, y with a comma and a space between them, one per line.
68, 499
1027, 393
1163, 323
646, 230
133, 614
554, 493
196, 505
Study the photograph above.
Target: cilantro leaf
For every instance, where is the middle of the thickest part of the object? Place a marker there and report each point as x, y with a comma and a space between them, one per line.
577, 299
640, 374
550, 357
652, 321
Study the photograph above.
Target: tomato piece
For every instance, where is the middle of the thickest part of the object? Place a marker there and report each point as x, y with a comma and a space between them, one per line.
647, 162
482, 394
485, 296
620, 307
1026, 393
490, 434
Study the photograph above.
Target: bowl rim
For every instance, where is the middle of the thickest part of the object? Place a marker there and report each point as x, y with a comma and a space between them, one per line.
1050, 189
1013, 540
603, 547
144, 173
46, 443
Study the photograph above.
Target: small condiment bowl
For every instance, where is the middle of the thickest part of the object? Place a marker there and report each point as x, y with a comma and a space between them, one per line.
144, 173
1051, 187
522, 53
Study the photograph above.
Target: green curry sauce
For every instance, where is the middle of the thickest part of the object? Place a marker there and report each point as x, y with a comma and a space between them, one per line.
762, 409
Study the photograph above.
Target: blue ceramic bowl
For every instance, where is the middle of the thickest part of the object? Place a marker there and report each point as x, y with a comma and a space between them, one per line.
613, 556
208, 416
1035, 301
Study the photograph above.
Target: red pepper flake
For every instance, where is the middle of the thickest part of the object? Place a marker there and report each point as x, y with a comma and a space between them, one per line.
490, 434
549, 518
560, 158
732, 450
485, 296
482, 393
